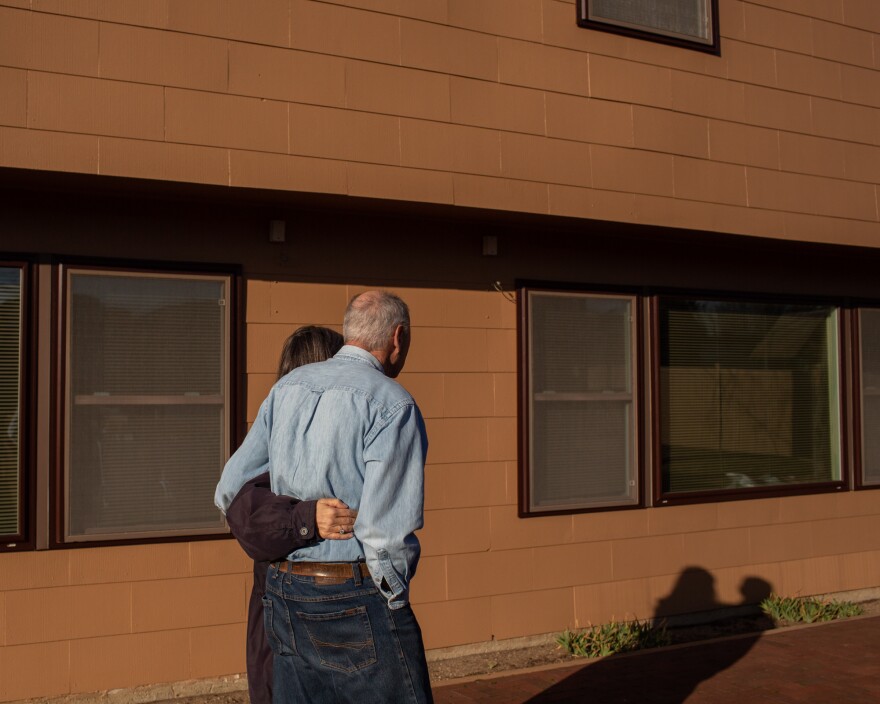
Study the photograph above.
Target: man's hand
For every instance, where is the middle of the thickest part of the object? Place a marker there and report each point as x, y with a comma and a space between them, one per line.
334, 520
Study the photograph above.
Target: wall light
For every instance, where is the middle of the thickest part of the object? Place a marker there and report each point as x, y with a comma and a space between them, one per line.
276, 231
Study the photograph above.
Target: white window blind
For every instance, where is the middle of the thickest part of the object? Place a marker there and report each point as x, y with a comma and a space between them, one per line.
581, 401
682, 18
146, 423
10, 400
748, 395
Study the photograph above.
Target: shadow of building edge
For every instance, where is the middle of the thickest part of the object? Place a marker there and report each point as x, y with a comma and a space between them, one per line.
667, 675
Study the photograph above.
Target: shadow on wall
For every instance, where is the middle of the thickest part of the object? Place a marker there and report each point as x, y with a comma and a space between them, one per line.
667, 675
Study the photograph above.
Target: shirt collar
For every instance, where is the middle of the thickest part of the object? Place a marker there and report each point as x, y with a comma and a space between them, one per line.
358, 354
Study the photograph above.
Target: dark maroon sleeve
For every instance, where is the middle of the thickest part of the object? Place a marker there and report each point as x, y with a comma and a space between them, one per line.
267, 526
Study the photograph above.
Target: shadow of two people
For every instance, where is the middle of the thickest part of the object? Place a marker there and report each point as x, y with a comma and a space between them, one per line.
668, 675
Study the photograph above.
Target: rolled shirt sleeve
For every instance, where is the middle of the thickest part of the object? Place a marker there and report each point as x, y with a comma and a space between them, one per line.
392, 503
250, 460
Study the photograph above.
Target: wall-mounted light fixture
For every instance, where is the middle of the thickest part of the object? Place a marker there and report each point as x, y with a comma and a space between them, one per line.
277, 231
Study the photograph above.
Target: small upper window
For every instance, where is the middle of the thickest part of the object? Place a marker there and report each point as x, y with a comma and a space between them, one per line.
688, 23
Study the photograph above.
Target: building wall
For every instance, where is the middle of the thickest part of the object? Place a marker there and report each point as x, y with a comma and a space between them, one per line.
105, 618
89, 619
487, 104
502, 106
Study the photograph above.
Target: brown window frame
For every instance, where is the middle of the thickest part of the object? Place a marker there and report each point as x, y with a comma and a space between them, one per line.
661, 498
859, 483
524, 401
233, 400
647, 391
24, 539
589, 20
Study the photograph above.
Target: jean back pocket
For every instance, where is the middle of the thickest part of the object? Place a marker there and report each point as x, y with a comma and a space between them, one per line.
343, 640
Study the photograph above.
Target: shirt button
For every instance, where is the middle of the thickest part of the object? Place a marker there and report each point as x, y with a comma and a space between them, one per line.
303, 531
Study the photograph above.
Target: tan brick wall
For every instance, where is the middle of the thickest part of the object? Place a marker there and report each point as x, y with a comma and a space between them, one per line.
490, 104
487, 573
89, 619
74, 621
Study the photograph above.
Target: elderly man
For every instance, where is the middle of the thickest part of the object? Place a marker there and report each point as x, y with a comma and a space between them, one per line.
337, 613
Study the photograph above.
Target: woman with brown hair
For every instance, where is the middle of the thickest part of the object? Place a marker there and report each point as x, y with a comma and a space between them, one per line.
269, 527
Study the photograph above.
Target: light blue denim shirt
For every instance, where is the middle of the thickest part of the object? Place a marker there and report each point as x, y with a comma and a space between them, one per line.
343, 429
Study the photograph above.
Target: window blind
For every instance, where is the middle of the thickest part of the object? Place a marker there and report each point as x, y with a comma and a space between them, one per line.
684, 18
869, 353
10, 399
749, 395
581, 405
146, 422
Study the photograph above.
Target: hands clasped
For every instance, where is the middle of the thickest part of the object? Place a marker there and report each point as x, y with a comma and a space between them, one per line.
334, 519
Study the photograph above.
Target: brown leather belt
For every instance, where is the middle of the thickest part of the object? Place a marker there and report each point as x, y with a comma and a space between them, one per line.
339, 570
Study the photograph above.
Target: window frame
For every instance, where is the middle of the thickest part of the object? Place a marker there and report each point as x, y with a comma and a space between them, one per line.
674, 499
25, 538
647, 397
859, 483
58, 519
587, 20
524, 401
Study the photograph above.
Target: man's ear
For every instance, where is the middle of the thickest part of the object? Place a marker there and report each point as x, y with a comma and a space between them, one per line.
399, 337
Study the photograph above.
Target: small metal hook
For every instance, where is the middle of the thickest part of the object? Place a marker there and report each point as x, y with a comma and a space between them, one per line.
507, 294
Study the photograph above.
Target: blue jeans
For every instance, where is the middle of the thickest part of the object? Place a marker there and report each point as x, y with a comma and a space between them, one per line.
336, 640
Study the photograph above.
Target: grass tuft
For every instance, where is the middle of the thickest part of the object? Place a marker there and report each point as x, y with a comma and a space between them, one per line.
785, 610
613, 637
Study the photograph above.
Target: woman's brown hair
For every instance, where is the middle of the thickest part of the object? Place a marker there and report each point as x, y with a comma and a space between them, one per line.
310, 343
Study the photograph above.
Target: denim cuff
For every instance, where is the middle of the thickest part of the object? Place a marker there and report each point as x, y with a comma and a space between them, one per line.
398, 596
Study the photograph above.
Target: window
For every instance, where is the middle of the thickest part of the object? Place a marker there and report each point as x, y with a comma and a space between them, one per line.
869, 394
687, 23
580, 401
748, 395
11, 384
146, 402
733, 398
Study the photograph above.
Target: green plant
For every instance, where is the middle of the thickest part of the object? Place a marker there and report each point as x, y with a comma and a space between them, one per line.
807, 609
613, 637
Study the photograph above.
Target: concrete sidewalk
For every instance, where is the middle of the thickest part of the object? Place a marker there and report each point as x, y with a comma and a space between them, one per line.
832, 663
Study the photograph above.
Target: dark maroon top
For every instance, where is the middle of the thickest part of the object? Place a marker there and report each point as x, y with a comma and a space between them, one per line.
268, 527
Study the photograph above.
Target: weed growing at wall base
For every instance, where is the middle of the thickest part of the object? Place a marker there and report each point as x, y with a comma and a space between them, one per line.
613, 637
785, 610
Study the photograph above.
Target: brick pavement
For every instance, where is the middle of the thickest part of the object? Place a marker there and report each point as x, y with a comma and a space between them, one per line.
833, 663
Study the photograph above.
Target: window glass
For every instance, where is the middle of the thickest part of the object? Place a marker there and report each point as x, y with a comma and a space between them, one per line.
581, 403
10, 400
146, 422
685, 22
748, 395
869, 373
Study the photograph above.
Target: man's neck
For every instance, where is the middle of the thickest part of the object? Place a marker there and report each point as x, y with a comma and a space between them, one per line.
381, 355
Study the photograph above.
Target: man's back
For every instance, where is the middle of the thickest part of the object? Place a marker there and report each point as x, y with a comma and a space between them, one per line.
324, 416
342, 428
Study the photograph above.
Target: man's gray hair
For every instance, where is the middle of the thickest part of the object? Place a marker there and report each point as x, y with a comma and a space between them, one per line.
372, 317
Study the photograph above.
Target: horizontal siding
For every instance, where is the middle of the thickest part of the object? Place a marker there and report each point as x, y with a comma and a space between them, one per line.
490, 105
500, 105
136, 615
